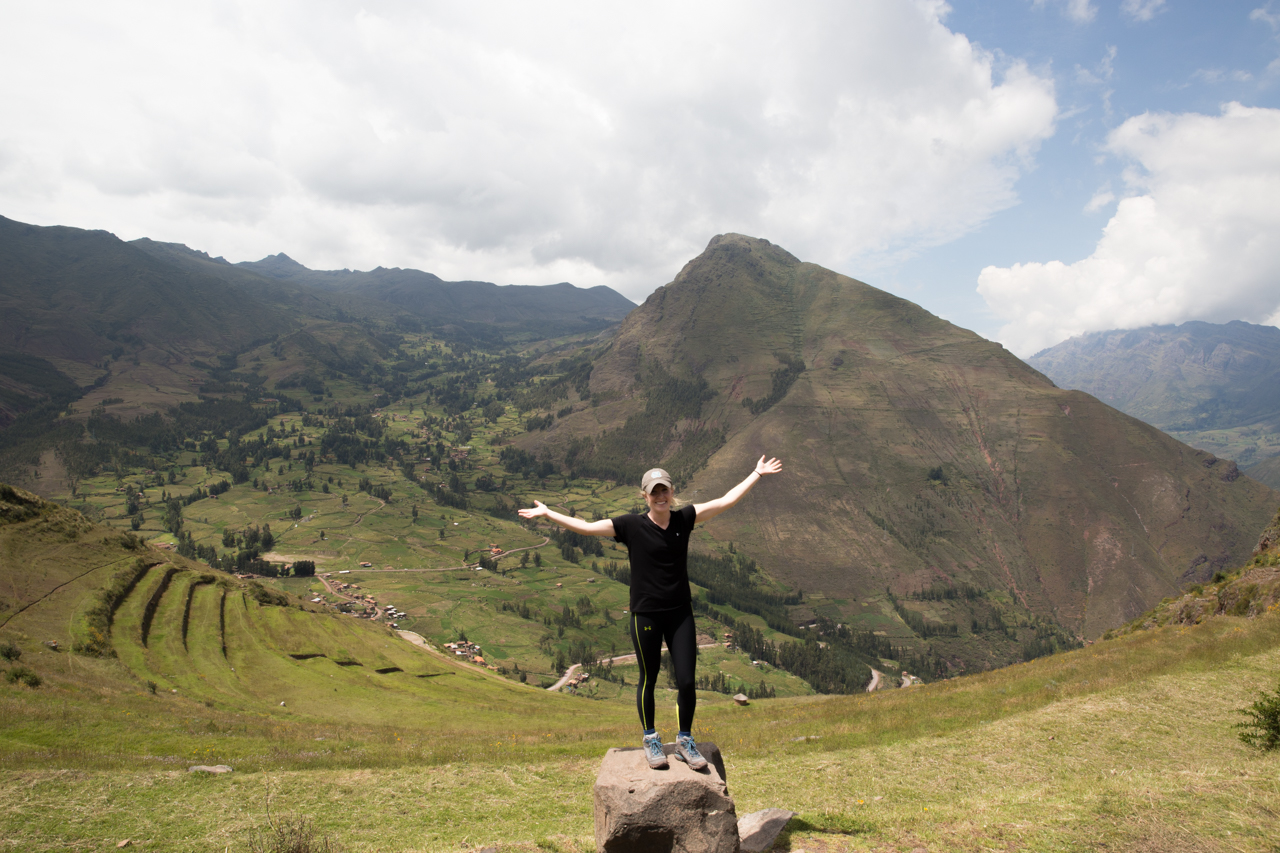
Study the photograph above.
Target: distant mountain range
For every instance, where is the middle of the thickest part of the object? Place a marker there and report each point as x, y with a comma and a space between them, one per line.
86, 298
78, 295
1214, 386
543, 310
918, 456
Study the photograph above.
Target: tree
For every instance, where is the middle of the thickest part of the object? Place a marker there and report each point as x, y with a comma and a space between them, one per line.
415, 512
304, 569
136, 521
173, 516
537, 559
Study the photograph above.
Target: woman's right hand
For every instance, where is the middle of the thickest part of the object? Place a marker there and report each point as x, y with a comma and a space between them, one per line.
538, 510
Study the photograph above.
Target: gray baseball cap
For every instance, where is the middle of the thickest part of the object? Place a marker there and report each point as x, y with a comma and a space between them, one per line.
653, 477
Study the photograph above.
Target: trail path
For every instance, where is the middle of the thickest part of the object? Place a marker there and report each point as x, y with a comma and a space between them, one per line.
569, 673
359, 518
419, 641
875, 681
36, 601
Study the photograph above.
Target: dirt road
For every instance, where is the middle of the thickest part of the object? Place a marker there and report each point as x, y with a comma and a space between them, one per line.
568, 673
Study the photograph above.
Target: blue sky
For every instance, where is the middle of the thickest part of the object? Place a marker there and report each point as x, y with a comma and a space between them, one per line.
1030, 170
1187, 58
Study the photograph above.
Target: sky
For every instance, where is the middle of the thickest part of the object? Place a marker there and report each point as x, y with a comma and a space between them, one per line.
1028, 169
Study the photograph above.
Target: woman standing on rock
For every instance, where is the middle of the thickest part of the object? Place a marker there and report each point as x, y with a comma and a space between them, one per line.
661, 604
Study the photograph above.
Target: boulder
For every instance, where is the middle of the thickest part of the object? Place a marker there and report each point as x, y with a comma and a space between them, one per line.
758, 830
677, 810
741, 699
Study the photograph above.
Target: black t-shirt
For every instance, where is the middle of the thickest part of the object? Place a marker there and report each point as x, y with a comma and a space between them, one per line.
659, 559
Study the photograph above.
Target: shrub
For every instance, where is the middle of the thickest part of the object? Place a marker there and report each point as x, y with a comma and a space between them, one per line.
23, 674
99, 617
290, 835
267, 597
1262, 728
10, 652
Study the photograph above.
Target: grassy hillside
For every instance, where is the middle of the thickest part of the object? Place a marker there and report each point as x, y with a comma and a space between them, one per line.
1089, 749
919, 458
154, 630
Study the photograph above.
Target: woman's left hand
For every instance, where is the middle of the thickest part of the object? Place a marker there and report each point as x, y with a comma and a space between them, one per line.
773, 466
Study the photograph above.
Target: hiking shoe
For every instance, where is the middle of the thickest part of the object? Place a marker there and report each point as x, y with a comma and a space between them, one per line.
687, 751
653, 751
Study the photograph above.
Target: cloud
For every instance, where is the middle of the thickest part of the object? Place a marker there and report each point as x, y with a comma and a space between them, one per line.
1080, 11
524, 143
1266, 16
1141, 10
1101, 199
1193, 240
1221, 75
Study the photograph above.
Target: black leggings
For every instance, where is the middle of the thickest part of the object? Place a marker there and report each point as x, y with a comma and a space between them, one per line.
648, 631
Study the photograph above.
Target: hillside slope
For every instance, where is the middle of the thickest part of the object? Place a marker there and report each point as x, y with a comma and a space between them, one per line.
544, 310
178, 628
1214, 386
80, 295
918, 455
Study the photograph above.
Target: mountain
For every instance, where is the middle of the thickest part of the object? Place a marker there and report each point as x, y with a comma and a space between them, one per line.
549, 310
1214, 386
80, 295
918, 456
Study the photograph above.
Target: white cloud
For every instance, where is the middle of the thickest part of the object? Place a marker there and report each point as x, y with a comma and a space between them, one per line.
1101, 199
1142, 10
1222, 75
1194, 239
1080, 11
1265, 15
517, 142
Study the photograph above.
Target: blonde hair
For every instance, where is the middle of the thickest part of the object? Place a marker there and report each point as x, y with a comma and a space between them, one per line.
676, 503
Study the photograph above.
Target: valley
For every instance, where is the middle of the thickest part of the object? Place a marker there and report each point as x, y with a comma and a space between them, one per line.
236, 538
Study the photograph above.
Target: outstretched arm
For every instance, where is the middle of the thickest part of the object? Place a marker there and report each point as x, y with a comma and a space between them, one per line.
604, 527
710, 509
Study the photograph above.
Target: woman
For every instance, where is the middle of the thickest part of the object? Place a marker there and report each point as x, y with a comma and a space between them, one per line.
661, 605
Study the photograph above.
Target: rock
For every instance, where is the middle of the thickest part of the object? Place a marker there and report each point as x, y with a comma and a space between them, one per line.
281, 704
741, 699
126, 843
52, 644
677, 810
758, 830
209, 768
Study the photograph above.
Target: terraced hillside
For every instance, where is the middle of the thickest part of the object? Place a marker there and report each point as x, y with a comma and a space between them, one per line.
166, 625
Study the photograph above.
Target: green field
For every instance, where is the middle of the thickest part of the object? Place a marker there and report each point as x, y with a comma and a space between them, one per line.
425, 566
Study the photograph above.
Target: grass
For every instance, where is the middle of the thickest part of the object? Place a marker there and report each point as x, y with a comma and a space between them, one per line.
1126, 744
